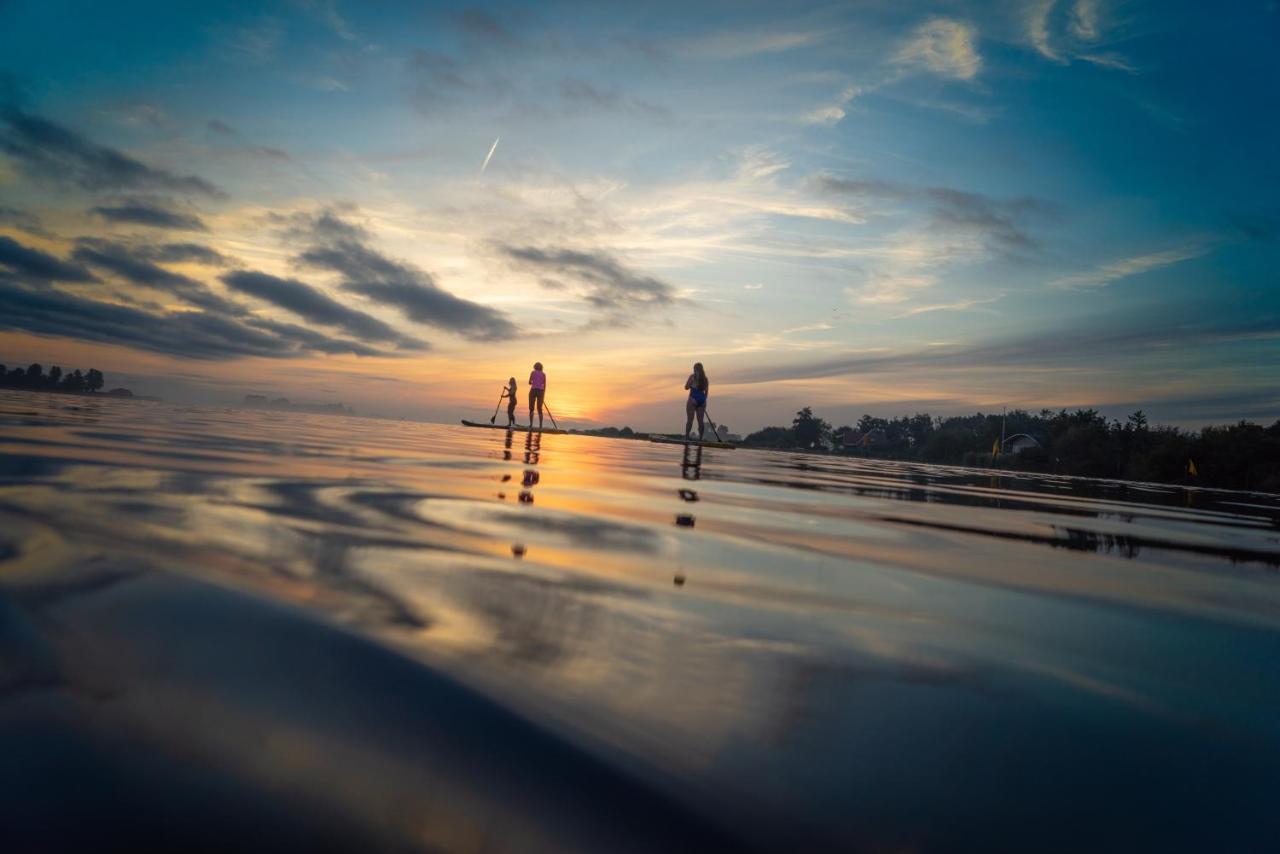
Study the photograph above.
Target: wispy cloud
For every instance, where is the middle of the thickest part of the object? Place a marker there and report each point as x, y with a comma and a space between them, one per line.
34, 265
1038, 29
215, 329
1125, 267
50, 152
150, 214
743, 44
1086, 344
1084, 20
943, 46
310, 304
337, 245
611, 288
834, 112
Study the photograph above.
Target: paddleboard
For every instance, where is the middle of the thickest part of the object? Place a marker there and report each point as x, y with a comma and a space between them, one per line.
676, 440
519, 427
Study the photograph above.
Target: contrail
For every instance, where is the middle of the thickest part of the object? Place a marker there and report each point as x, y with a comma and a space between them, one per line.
489, 156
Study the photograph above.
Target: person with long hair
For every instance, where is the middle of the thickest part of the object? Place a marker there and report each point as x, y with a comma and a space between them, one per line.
537, 392
698, 386
510, 393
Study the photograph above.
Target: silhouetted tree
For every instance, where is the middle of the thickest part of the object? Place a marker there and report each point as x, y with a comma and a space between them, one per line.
53, 378
94, 380
808, 429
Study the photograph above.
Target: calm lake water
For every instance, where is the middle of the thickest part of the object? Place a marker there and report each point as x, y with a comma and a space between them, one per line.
245, 629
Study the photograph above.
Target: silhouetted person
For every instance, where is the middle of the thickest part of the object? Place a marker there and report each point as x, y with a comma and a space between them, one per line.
537, 391
510, 394
698, 387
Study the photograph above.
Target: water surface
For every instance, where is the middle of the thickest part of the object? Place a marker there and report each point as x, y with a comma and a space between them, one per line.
227, 628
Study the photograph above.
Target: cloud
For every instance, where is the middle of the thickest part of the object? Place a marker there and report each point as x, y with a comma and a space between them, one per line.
479, 24
944, 47
1108, 273
202, 335
217, 329
1109, 60
151, 215
1000, 223
580, 94
1083, 29
740, 44
176, 253
23, 221
221, 128
1099, 339
1038, 29
270, 153
310, 304
1084, 20
48, 151
34, 264
611, 288
134, 266
326, 11
833, 113
341, 247
581, 91
255, 44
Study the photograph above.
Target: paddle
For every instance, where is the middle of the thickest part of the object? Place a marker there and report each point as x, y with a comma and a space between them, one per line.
494, 417
553, 418
714, 428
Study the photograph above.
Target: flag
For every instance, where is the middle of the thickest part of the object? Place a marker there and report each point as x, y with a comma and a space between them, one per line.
1191, 468
995, 447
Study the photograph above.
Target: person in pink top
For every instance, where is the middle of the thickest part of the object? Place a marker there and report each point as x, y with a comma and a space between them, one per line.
537, 391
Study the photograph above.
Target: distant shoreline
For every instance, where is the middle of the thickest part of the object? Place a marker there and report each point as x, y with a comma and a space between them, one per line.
113, 394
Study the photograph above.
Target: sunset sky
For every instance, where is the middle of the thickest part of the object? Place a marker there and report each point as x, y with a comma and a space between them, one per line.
880, 207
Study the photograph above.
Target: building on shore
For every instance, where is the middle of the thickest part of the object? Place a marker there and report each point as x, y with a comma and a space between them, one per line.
1019, 442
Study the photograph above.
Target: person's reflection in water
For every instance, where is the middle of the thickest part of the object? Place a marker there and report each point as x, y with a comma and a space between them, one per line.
690, 469
691, 463
506, 455
532, 452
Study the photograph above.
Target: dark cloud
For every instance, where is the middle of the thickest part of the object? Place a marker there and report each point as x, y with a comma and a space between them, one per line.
150, 215
575, 90
123, 261
177, 253
220, 128
1001, 222
133, 265
49, 151
435, 80
39, 266
581, 94
1089, 343
610, 287
869, 188
23, 221
188, 334
270, 153
310, 304
479, 24
438, 80
341, 247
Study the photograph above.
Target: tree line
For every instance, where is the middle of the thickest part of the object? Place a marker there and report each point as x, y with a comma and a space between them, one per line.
34, 378
1084, 442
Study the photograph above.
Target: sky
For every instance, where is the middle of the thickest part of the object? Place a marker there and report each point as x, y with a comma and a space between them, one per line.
867, 207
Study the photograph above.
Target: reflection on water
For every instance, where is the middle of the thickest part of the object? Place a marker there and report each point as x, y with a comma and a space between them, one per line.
226, 629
